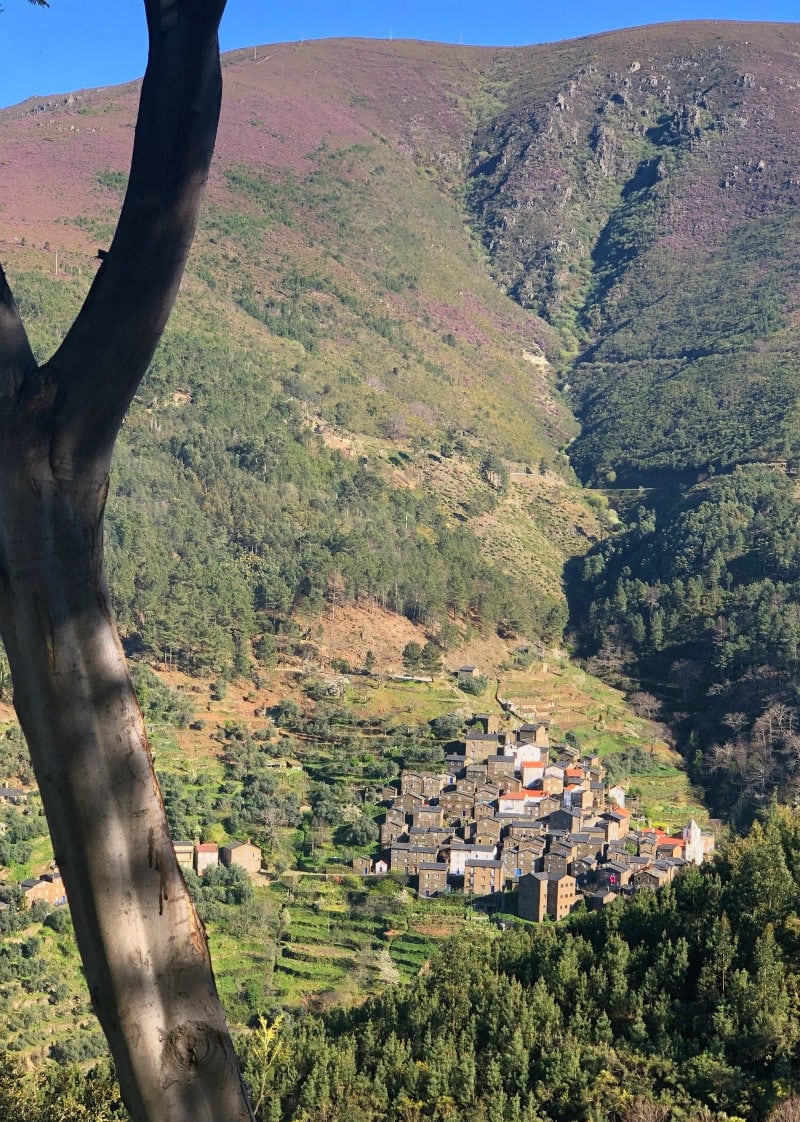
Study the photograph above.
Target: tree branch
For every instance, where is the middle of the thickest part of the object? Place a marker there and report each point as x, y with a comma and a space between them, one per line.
142, 944
16, 356
104, 356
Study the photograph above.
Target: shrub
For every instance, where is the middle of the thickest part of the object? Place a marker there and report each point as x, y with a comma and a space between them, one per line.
474, 686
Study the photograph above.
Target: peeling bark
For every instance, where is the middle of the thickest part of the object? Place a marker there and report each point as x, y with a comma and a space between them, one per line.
143, 947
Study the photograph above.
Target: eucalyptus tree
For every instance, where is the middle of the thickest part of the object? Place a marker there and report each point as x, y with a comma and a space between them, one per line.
143, 947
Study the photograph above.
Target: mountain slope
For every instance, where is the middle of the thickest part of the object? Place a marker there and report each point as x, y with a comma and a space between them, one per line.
640, 190
335, 291
405, 247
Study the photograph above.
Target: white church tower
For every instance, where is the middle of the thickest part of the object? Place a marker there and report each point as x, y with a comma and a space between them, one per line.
693, 842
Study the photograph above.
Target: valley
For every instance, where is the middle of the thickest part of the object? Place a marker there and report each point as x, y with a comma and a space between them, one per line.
483, 358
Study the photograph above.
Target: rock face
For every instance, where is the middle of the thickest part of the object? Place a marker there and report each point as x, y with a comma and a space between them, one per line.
639, 190
683, 126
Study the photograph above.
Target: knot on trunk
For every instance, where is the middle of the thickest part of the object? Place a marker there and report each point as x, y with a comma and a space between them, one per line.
193, 1045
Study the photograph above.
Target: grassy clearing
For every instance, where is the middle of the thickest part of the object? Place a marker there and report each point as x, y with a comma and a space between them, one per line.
417, 701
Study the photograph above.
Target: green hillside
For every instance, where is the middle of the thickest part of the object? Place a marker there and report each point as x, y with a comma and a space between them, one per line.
492, 352
639, 191
413, 262
341, 389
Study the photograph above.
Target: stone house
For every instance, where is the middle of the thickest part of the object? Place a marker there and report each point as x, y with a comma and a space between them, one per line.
568, 821
244, 854
432, 878
557, 860
455, 762
519, 828
483, 877
487, 794
595, 901
543, 894
432, 785
427, 815
542, 804
654, 876
184, 851
437, 836
48, 888
598, 796
584, 870
616, 825
535, 732
520, 860
595, 770
412, 783
406, 859
456, 804
479, 745
500, 767
12, 796
614, 875
585, 844
391, 831
508, 783
487, 828
206, 855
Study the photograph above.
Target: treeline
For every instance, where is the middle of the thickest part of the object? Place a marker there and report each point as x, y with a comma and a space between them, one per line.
702, 605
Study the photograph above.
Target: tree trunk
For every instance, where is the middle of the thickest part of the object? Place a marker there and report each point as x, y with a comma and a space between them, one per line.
143, 947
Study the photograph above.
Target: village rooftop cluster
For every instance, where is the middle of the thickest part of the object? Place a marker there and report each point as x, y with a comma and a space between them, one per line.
510, 812
513, 812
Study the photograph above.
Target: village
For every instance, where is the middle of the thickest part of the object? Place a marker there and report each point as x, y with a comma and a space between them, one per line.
510, 812
513, 812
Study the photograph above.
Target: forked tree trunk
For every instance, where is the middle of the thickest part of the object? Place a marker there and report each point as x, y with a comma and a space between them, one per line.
143, 947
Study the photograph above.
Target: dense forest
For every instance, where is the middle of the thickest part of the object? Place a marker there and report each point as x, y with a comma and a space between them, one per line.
703, 605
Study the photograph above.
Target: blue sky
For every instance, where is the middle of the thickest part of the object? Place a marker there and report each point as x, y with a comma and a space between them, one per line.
82, 43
